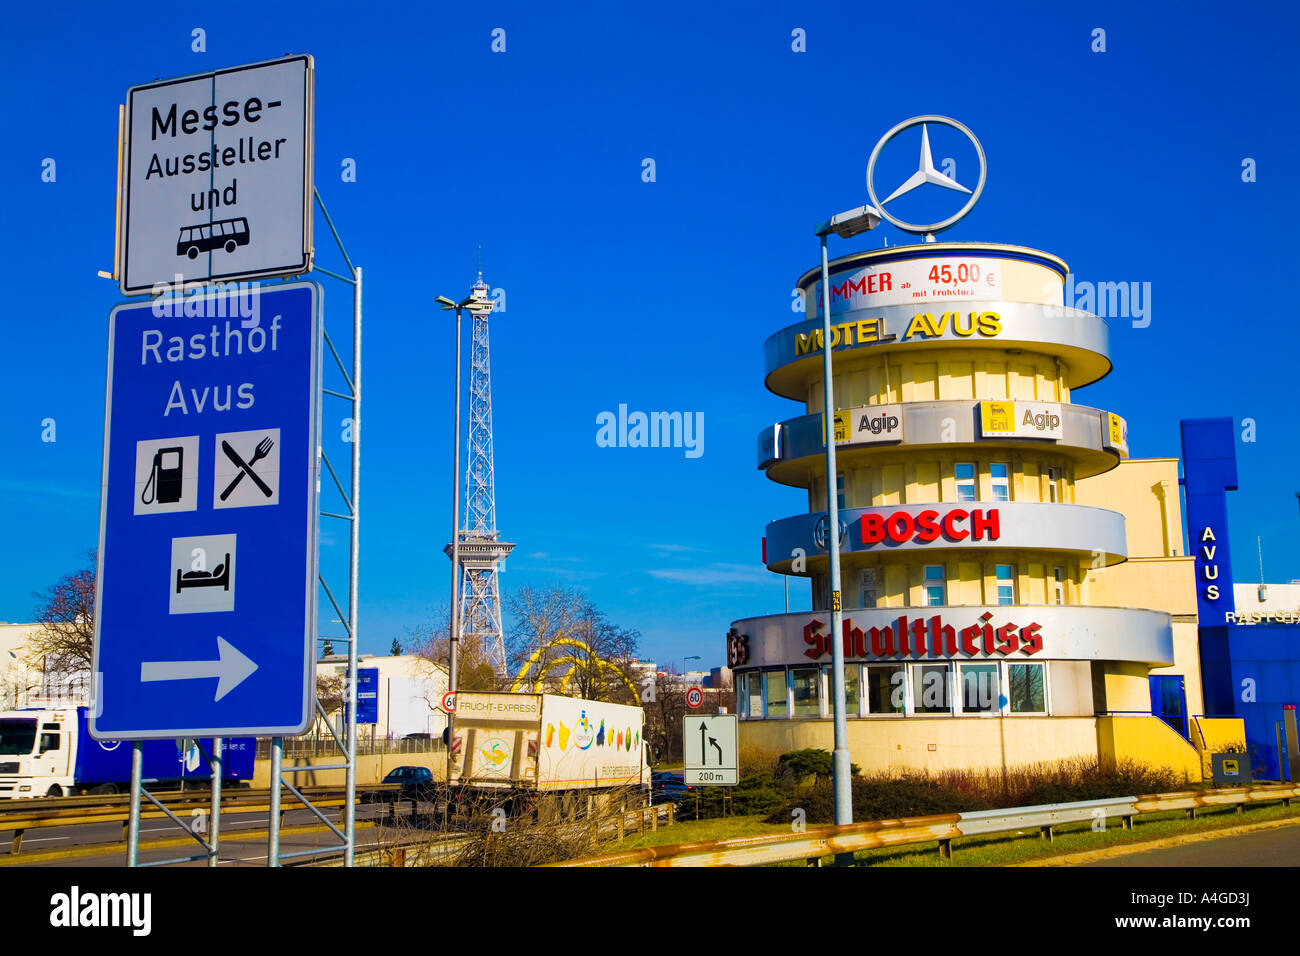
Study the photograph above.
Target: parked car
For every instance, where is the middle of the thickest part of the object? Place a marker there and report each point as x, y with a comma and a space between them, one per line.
666, 786
416, 783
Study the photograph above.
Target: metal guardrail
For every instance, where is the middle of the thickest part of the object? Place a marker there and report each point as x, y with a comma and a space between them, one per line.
324, 746
444, 850
812, 845
18, 816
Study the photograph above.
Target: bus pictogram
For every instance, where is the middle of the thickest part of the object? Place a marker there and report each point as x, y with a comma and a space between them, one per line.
226, 234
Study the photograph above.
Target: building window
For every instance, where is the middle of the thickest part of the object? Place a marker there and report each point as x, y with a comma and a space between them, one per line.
755, 695
930, 693
1006, 574
1000, 473
936, 586
807, 691
966, 481
1058, 585
885, 688
1051, 484
749, 698
777, 703
852, 689
839, 492
979, 689
870, 590
1028, 688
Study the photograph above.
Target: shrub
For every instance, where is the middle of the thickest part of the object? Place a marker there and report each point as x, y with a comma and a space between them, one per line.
879, 798
809, 762
754, 794
916, 793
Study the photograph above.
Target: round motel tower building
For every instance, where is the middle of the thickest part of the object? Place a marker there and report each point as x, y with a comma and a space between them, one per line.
969, 638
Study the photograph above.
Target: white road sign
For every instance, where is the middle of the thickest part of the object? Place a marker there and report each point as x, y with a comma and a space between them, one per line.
218, 176
710, 749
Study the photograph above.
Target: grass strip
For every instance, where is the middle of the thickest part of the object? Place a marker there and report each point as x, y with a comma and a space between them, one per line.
989, 849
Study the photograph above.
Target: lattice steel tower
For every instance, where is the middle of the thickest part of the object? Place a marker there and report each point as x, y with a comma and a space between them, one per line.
481, 549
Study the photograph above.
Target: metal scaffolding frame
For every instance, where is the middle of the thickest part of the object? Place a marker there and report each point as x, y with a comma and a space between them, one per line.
348, 742
352, 502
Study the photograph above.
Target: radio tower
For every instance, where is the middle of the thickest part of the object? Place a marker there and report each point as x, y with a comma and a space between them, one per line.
481, 549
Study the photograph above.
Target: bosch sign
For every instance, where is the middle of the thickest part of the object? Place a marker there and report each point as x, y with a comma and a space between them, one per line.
926, 526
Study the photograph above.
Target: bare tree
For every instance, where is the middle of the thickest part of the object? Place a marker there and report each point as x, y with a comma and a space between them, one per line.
664, 711
329, 693
595, 671
541, 615
432, 644
65, 638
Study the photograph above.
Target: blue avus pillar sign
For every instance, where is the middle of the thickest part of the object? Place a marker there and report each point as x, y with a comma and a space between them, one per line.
1209, 472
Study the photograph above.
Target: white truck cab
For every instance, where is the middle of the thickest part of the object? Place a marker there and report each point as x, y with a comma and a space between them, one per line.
37, 749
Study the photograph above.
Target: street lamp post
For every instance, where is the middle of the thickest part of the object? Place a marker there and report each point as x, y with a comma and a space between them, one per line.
846, 224
693, 657
454, 625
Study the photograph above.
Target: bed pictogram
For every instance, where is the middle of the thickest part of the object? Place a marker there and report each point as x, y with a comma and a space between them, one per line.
217, 577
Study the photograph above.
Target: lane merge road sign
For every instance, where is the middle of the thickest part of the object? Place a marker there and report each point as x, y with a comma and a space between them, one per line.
217, 176
207, 583
709, 746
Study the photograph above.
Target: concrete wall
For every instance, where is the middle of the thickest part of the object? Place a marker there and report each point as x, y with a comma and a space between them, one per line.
371, 769
1146, 490
1147, 740
882, 745
1163, 584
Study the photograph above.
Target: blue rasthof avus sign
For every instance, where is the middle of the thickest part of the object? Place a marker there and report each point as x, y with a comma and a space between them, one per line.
206, 596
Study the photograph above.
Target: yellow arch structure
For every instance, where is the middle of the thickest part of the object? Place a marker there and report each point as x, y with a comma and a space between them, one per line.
573, 661
522, 677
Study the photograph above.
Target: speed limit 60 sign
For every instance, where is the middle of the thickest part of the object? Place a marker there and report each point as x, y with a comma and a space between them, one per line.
694, 697
448, 702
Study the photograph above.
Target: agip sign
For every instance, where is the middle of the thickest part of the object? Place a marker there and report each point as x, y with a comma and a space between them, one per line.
217, 180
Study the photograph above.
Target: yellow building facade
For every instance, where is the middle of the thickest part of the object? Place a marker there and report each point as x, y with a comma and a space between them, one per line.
1010, 581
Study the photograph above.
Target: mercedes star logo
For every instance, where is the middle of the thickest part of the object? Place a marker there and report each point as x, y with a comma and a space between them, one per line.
926, 173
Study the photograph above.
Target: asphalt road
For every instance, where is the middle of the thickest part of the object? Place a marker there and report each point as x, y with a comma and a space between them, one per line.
1278, 847
250, 852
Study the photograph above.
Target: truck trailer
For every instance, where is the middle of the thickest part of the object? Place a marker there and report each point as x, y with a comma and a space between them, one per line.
545, 743
48, 752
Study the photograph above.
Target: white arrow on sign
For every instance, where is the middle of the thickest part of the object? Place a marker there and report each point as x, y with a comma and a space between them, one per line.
231, 669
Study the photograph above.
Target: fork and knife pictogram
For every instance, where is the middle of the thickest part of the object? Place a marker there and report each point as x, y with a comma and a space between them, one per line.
246, 467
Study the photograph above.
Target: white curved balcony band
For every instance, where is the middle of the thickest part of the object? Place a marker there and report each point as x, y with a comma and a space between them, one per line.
792, 356
1095, 534
1019, 632
791, 449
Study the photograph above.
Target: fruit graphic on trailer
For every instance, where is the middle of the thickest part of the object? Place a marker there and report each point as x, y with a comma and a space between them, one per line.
550, 733
564, 735
495, 754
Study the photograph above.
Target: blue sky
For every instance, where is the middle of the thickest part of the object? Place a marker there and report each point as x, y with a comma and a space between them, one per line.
659, 295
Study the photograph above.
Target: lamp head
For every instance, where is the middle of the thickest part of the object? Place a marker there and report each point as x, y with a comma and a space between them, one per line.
852, 223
